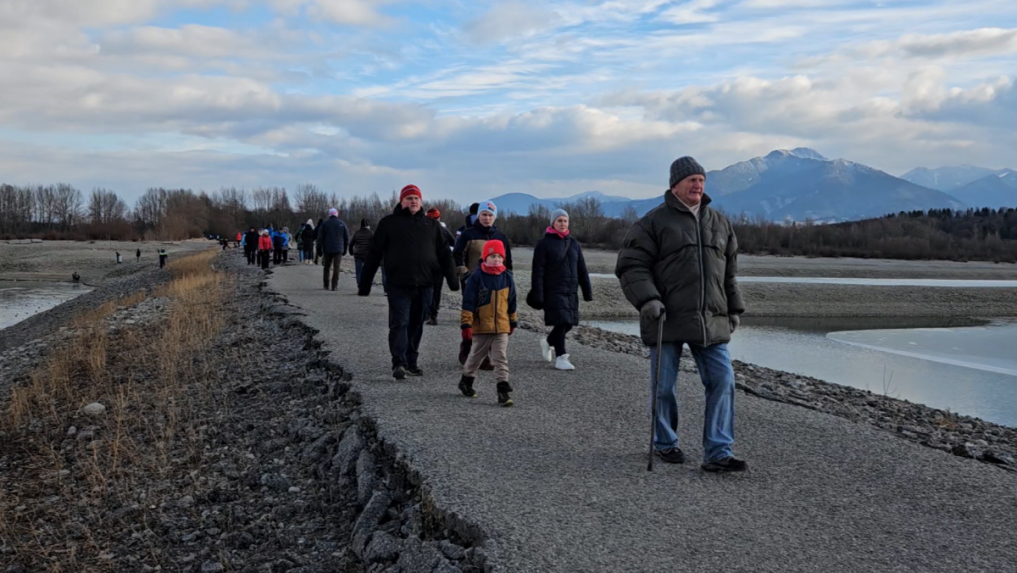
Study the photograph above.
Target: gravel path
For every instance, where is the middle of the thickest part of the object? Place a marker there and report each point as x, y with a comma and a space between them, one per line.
558, 483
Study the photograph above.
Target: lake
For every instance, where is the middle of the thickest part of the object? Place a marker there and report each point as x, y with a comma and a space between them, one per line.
936, 283
22, 299
959, 365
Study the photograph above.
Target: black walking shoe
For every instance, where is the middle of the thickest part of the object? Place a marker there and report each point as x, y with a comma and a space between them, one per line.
326, 286
671, 455
432, 321
466, 386
504, 399
414, 371
728, 464
399, 373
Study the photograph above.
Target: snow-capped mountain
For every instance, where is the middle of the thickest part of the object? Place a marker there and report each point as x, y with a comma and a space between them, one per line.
948, 178
797, 184
996, 190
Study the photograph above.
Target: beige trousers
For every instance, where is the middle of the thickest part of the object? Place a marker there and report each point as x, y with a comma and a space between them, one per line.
493, 345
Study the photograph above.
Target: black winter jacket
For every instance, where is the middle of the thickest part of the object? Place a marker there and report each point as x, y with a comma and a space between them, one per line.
688, 264
413, 249
360, 246
251, 241
559, 270
470, 245
333, 236
308, 237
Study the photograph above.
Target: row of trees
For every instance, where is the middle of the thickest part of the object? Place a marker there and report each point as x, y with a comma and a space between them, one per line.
61, 211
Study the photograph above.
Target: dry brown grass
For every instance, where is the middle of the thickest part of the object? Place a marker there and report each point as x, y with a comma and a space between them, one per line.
148, 377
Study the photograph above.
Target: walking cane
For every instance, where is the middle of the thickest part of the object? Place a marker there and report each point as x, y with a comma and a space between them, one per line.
656, 378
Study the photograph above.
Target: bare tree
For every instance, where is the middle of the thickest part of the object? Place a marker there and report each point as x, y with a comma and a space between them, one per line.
105, 207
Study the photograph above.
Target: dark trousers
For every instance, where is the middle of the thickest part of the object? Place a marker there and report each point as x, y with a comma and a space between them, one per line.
407, 310
285, 255
557, 338
251, 255
358, 266
162, 261
308, 254
331, 262
265, 255
436, 297
276, 255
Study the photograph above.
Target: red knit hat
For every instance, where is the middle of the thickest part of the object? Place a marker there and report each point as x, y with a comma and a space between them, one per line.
410, 190
434, 213
491, 248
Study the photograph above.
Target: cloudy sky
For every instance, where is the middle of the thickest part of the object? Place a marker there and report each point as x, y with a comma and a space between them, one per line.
474, 98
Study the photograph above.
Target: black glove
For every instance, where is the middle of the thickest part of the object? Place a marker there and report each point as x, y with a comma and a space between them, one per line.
651, 310
534, 301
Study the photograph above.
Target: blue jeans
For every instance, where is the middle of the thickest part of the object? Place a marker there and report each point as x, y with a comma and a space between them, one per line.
300, 255
717, 374
407, 310
358, 265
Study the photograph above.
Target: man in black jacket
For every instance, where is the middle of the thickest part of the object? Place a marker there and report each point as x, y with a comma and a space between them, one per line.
678, 264
413, 250
435, 214
333, 236
251, 246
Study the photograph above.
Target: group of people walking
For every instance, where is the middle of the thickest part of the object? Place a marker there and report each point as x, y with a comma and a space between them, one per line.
677, 267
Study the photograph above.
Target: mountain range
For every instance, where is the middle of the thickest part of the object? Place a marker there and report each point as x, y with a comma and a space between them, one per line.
801, 184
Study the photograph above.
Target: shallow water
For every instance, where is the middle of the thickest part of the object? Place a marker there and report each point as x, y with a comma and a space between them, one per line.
22, 299
939, 283
943, 364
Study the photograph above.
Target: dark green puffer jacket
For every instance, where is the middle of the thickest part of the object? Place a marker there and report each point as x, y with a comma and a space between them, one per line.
688, 265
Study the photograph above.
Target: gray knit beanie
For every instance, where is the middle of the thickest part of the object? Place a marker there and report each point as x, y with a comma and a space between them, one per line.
684, 167
557, 213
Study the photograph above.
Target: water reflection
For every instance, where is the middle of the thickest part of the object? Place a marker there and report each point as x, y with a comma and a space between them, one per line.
22, 299
966, 366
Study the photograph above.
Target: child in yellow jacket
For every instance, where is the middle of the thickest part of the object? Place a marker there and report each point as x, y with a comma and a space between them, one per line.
489, 318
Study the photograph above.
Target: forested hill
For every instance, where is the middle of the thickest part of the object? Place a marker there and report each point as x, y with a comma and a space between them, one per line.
983, 234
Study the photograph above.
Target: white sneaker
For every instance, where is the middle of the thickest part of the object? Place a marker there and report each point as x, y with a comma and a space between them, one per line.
545, 350
563, 363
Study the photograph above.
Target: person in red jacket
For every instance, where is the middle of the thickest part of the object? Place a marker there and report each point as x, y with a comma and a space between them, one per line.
264, 248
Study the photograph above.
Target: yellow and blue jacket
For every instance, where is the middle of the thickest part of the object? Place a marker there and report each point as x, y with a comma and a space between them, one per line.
489, 303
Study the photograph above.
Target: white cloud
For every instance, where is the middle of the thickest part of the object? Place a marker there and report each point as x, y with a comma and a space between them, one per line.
964, 44
510, 19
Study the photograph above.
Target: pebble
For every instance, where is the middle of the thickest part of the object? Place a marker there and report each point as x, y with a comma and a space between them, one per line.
94, 409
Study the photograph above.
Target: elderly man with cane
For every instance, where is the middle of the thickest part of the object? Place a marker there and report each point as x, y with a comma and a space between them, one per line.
678, 266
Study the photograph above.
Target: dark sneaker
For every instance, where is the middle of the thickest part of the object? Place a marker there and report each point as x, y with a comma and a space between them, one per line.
399, 373
504, 399
414, 371
671, 456
466, 386
728, 464
432, 322
326, 287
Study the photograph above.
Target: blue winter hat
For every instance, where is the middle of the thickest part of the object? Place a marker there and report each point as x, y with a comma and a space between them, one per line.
558, 213
488, 206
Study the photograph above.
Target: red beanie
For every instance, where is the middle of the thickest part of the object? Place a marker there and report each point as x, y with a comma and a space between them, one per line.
410, 190
434, 213
492, 247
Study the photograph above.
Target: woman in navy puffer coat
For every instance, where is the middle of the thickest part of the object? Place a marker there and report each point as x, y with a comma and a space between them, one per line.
559, 271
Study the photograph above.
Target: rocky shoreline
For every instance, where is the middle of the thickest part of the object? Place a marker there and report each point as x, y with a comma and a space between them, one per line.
269, 467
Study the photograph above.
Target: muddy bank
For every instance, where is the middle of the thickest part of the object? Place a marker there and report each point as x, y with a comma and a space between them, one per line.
252, 457
95, 261
600, 261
